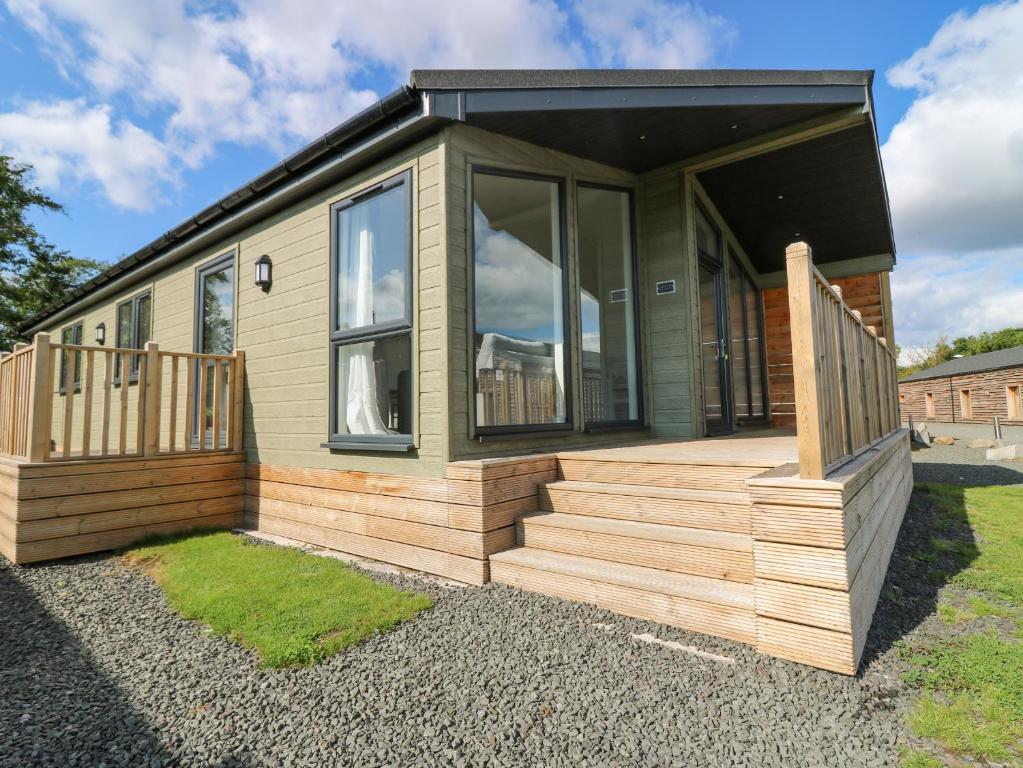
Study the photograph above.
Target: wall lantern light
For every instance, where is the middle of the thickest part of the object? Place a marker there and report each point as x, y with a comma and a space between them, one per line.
101, 333
264, 273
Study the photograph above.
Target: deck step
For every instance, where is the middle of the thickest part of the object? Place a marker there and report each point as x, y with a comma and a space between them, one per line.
692, 508
584, 467
711, 606
697, 551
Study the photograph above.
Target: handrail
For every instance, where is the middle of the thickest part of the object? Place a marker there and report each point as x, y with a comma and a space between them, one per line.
61, 402
844, 374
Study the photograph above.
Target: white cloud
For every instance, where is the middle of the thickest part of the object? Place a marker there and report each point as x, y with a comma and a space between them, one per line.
954, 163
954, 166
69, 142
956, 296
653, 33
271, 74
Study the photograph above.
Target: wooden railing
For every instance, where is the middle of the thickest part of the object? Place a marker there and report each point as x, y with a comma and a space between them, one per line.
16, 370
72, 401
844, 373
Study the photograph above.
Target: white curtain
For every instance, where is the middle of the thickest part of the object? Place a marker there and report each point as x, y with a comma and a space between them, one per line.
356, 374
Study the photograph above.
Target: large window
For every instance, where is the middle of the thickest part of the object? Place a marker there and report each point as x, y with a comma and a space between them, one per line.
134, 327
521, 359
607, 306
746, 352
71, 335
371, 331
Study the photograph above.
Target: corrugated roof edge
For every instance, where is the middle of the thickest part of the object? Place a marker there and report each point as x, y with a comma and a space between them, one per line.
469, 79
985, 361
396, 103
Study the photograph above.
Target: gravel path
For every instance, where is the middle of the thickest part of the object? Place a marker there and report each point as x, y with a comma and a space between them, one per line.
95, 670
966, 466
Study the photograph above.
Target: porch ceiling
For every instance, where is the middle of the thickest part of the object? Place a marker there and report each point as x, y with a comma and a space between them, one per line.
828, 192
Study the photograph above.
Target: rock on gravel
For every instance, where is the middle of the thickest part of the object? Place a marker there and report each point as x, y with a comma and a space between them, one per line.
944, 440
95, 670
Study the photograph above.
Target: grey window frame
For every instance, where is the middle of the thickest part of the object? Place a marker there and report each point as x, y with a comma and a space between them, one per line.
389, 329
569, 424
633, 244
201, 272
133, 343
65, 355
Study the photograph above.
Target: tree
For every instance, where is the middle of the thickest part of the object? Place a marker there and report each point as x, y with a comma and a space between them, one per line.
989, 341
33, 273
927, 357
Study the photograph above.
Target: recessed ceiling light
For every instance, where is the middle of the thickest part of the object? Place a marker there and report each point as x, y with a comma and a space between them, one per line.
735, 126
796, 235
781, 197
642, 137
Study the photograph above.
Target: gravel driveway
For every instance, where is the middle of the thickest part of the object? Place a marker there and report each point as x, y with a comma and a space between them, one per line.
96, 671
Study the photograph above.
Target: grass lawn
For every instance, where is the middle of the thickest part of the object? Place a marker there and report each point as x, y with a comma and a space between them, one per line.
290, 607
971, 701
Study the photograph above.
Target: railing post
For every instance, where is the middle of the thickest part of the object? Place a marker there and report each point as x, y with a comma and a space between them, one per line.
802, 289
40, 404
238, 400
154, 376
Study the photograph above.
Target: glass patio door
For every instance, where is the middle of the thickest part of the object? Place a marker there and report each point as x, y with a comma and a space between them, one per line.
717, 394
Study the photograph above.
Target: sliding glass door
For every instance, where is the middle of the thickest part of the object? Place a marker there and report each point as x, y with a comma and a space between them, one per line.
607, 307
717, 390
744, 317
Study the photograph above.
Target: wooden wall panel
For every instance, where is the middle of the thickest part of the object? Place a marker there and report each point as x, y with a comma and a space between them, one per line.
861, 292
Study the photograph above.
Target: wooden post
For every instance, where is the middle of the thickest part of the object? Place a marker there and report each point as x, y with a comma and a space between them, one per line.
40, 404
809, 425
238, 400
151, 441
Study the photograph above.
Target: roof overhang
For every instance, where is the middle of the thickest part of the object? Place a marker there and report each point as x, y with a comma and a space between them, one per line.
785, 155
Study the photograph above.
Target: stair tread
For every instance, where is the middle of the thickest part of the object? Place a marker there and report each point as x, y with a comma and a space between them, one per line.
651, 491
654, 580
673, 534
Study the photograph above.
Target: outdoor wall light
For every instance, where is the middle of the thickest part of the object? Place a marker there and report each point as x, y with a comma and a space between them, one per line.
264, 273
101, 333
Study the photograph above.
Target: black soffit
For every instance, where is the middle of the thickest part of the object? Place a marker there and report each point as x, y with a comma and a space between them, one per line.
827, 191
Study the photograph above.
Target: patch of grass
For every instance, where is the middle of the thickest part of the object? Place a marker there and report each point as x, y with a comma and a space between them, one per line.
995, 514
292, 608
980, 727
917, 759
972, 702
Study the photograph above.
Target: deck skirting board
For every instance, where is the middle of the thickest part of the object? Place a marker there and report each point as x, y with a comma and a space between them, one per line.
820, 554
98, 504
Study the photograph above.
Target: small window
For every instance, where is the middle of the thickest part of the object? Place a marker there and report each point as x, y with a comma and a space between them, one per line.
1014, 398
71, 335
965, 404
371, 327
134, 326
929, 404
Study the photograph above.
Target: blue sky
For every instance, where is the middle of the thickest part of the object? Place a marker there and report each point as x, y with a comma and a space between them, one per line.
137, 113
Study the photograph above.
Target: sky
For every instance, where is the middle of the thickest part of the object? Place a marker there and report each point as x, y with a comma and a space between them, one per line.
138, 113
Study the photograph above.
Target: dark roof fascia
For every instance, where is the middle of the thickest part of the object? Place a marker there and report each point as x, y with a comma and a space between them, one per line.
997, 360
395, 111
476, 79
